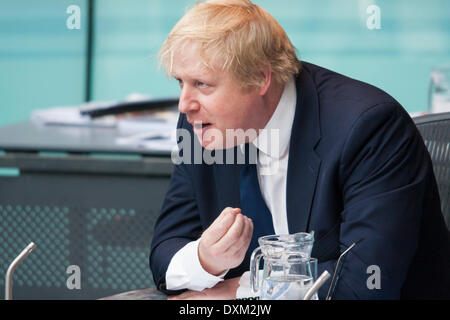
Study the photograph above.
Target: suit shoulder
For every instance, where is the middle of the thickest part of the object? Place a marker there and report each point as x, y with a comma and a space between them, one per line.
343, 101
340, 90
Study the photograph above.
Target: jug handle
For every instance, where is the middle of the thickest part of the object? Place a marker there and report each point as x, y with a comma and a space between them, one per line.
254, 269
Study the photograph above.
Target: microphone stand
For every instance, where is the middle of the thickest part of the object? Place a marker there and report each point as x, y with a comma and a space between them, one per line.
336, 273
12, 267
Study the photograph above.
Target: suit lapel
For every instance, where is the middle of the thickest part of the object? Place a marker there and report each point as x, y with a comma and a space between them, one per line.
304, 163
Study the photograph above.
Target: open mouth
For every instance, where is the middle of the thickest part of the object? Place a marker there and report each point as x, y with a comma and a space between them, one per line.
202, 131
200, 125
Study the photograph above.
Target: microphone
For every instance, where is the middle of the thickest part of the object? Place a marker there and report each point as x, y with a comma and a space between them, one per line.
12, 267
316, 286
336, 273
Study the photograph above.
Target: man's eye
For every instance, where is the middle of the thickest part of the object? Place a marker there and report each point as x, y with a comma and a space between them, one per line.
202, 84
180, 82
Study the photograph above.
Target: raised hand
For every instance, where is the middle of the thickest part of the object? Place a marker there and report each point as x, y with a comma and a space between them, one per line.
223, 245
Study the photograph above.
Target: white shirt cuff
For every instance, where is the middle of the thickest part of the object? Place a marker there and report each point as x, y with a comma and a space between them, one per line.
186, 272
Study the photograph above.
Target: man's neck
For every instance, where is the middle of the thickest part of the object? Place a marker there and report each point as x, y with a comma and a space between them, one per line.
272, 99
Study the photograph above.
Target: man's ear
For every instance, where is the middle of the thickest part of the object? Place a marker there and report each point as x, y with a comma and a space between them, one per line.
266, 75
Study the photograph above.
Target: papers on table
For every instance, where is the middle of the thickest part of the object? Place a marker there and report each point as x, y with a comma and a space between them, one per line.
149, 129
155, 131
151, 140
70, 116
416, 114
160, 121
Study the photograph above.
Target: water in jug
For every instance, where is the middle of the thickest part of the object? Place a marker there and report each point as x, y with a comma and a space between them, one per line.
288, 270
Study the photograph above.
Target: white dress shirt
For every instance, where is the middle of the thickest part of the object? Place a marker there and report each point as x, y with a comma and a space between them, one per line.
185, 270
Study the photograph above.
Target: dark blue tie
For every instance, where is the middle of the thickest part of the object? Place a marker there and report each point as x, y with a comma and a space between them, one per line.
253, 204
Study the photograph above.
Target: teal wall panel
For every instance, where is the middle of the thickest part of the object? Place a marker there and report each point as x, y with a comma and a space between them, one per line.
128, 37
42, 63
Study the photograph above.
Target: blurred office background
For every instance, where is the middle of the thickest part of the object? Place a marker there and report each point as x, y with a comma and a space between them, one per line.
44, 64
80, 207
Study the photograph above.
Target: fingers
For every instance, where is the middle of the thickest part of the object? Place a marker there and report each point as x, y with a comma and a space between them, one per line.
220, 226
224, 244
240, 247
235, 236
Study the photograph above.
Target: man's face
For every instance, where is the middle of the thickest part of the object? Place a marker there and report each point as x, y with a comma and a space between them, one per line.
213, 102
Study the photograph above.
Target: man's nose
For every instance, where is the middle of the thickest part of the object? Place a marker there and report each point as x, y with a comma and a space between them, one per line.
188, 100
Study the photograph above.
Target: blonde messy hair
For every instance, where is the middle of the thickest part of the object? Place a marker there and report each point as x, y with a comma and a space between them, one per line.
236, 36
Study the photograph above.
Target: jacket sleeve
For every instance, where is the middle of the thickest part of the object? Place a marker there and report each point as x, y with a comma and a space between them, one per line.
384, 173
178, 224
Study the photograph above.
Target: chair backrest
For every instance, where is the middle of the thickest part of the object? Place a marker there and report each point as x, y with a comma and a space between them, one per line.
435, 130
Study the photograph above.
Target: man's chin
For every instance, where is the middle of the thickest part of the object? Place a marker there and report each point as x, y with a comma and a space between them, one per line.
214, 139
210, 144
211, 139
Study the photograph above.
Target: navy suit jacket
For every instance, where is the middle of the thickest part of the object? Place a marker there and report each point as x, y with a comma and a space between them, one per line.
358, 168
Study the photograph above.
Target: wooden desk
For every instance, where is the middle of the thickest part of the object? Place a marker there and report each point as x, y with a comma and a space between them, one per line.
142, 294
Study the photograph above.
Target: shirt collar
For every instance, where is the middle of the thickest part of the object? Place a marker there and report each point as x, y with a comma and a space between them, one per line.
268, 141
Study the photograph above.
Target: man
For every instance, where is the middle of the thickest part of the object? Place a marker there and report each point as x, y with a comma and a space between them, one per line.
348, 163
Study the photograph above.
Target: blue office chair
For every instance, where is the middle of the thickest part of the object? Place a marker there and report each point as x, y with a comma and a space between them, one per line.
435, 131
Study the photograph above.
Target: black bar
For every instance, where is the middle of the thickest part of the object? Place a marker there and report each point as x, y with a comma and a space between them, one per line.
89, 50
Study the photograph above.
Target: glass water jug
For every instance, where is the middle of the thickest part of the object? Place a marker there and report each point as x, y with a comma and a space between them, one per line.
287, 272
